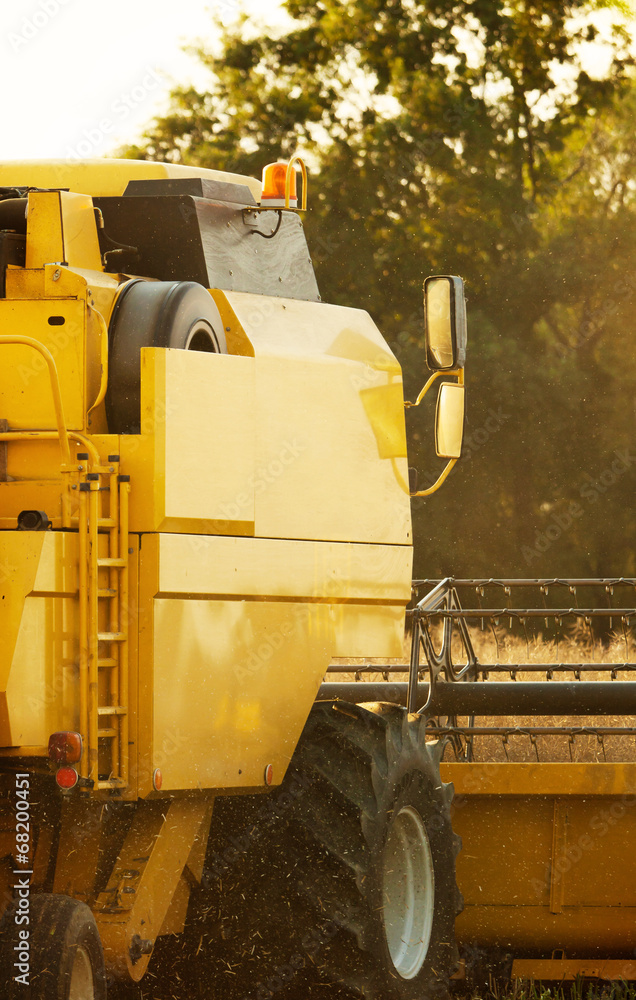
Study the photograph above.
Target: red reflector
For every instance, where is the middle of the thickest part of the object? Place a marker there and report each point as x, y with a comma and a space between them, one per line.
157, 779
269, 774
67, 777
65, 748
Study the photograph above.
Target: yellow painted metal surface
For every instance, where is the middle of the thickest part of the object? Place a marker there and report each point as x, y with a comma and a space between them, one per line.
162, 840
38, 656
566, 970
61, 230
45, 239
25, 389
105, 177
195, 458
239, 633
546, 856
544, 778
232, 444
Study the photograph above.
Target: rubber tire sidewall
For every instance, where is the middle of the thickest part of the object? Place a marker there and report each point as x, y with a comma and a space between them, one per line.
58, 926
415, 788
152, 314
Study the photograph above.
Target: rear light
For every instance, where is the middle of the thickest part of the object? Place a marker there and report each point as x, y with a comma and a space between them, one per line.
65, 748
157, 779
67, 777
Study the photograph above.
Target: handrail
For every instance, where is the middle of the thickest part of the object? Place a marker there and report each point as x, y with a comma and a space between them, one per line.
53, 436
55, 389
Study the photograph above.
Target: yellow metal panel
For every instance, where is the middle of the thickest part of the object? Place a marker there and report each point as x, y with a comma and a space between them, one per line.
45, 238
32, 494
81, 245
231, 444
19, 560
193, 464
368, 631
543, 866
565, 970
595, 866
541, 778
234, 676
516, 831
51, 281
106, 177
233, 685
272, 568
329, 397
24, 284
41, 688
291, 328
578, 930
26, 400
209, 437
311, 416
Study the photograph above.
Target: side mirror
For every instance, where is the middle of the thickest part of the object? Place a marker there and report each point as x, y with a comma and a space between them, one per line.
445, 328
449, 420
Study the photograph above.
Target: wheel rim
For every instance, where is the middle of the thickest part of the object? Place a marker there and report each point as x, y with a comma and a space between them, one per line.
409, 892
82, 985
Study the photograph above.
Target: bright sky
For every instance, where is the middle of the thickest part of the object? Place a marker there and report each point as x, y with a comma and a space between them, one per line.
81, 77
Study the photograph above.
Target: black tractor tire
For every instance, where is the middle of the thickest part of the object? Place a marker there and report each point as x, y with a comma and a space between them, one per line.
311, 889
65, 955
176, 314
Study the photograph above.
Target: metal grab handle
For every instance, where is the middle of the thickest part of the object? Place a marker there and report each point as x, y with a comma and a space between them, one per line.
288, 182
55, 389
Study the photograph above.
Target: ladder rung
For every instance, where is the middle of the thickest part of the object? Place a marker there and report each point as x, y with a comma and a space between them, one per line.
107, 592
112, 783
106, 734
112, 710
108, 661
111, 636
113, 563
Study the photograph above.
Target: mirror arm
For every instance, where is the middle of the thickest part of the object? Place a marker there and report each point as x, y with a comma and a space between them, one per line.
460, 381
442, 479
428, 385
453, 462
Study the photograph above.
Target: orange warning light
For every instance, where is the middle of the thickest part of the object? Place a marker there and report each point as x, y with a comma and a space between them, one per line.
274, 184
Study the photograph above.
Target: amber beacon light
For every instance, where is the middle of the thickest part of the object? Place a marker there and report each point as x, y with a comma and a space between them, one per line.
280, 185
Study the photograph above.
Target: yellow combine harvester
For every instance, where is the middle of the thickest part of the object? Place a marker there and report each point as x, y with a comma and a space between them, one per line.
205, 507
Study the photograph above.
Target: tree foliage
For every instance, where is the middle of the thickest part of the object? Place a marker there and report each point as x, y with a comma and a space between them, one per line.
467, 137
